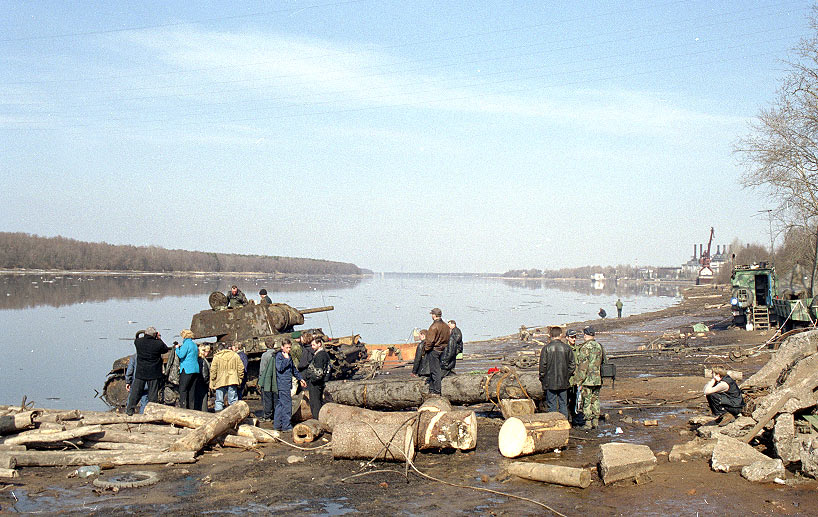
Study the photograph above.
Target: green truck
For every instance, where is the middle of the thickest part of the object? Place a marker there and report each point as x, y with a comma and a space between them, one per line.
757, 303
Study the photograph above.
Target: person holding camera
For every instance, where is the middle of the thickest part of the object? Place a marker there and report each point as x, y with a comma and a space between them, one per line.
148, 371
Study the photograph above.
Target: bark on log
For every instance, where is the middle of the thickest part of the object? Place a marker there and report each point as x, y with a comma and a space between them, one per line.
178, 416
7, 461
307, 431
39, 437
251, 431
532, 434
118, 418
101, 458
240, 442
14, 423
382, 441
9, 474
6, 448
169, 430
332, 414
112, 435
557, 474
218, 424
127, 447
446, 430
460, 390
59, 416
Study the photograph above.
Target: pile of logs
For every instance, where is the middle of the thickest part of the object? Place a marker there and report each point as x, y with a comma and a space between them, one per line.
163, 434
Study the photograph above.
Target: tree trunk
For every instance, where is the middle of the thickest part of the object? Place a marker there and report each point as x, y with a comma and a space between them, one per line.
178, 416
307, 431
38, 437
240, 442
382, 441
112, 435
251, 431
125, 447
14, 423
446, 430
814, 266
218, 424
461, 390
101, 458
8, 474
104, 418
532, 434
7, 461
332, 414
557, 474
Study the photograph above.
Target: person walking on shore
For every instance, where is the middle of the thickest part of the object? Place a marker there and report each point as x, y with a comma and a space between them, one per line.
437, 338
619, 307
556, 368
149, 350
188, 354
590, 360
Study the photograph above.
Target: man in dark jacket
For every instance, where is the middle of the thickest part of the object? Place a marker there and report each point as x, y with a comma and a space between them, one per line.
317, 374
437, 337
448, 360
723, 396
129, 377
556, 368
420, 366
149, 350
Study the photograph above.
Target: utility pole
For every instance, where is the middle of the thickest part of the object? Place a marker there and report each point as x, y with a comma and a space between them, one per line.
772, 239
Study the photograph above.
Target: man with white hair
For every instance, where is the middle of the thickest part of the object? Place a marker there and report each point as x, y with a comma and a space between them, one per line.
149, 350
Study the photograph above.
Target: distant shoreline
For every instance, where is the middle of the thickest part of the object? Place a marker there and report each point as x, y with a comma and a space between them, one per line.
252, 274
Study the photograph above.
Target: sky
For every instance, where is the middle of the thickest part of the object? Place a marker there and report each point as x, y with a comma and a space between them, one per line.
419, 136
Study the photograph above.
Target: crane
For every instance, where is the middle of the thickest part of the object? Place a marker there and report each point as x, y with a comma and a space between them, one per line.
705, 272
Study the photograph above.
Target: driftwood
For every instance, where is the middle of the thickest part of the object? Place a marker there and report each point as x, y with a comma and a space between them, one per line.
58, 416
260, 435
178, 416
147, 428
7, 461
4, 447
461, 390
117, 418
241, 442
52, 426
218, 424
102, 458
557, 474
128, 447
381, 441
40, 437
532, 434
112, 435
16, 422
307, 431
8, 474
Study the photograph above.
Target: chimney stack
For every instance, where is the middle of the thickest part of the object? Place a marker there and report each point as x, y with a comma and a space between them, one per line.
694, 252
701, 250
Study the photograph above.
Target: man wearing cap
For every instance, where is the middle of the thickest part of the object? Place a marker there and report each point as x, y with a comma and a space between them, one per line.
236, 298
149, 350
590, 358
263, 298
437, 338
577, 417
556, 367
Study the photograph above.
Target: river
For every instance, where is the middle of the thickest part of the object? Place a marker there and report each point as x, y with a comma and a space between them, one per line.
61, 333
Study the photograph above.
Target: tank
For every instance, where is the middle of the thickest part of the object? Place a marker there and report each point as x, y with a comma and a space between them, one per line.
255, 328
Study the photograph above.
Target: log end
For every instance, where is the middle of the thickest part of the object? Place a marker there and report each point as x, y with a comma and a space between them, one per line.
512, 438
468, 433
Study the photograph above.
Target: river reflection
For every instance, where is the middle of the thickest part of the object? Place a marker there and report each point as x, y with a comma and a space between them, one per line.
61, 333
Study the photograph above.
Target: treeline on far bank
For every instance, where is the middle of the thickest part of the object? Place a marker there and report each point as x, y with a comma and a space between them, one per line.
26, 251
622, 271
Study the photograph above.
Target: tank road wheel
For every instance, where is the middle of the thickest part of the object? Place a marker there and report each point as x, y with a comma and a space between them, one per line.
114, 393
135, 479
217, 300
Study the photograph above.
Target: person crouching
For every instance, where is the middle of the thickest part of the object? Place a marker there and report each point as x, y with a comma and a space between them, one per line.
285, 371
723, 396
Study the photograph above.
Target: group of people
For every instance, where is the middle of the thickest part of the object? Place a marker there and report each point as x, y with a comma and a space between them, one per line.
571, 375
604, 314
437, 351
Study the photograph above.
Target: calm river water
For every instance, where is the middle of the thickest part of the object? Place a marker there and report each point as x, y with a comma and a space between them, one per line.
61, 333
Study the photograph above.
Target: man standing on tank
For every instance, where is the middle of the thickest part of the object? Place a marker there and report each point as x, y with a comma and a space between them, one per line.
590, 358
556, 369
437, 338
236, 298
149, 350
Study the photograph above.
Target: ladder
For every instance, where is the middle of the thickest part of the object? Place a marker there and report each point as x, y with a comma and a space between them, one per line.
761, 318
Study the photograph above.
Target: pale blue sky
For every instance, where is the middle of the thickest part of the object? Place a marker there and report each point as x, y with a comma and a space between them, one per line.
401, 136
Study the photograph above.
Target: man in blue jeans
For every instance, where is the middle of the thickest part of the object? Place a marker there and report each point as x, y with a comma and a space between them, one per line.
285, 371
556, 367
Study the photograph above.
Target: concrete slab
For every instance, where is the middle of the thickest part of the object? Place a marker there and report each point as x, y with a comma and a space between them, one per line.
619, 461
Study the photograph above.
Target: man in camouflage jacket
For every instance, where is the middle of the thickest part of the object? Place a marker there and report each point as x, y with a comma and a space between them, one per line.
590, 358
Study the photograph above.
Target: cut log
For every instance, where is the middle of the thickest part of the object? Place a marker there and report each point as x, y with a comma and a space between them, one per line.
382, 441
332, 414
112, 435
178, 416
14, 423
101, 458
446, 430
557, 474
118, 418
147, 428
460, 390
59, 416
307, 431
240, 442
9, 474
127, 447
261, 435
435, 404
7, 460
517, 407
7, 447
218, 424
532, 434
50, 426
39, 437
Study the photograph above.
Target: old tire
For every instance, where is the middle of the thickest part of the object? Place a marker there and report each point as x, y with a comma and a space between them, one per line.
135, 479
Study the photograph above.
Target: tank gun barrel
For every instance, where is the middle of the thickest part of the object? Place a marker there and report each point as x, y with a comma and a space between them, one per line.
317, 309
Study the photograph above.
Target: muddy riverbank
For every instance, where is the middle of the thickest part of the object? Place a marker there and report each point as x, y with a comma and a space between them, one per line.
660, 385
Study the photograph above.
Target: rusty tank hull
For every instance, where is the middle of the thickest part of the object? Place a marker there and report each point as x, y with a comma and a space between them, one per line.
255, 328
